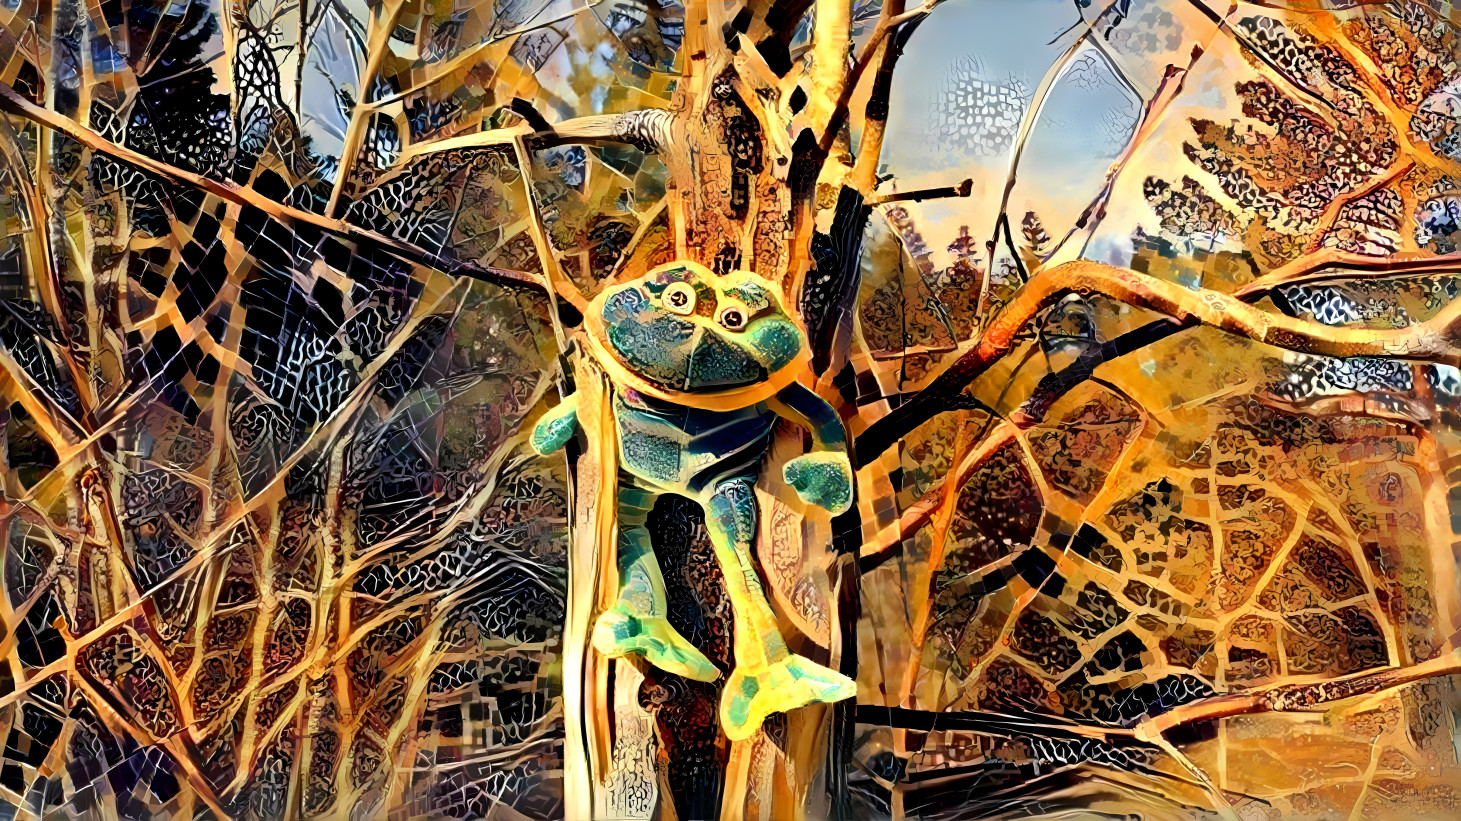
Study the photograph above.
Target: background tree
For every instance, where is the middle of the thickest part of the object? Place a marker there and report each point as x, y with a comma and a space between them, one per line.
1151, 517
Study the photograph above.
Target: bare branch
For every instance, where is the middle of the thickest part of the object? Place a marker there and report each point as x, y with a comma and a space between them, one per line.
646, 129
1330, 264
888, 22
1151, 115
1430, 341
963, 189
382, 26
887, 542
14, 103
1283, 698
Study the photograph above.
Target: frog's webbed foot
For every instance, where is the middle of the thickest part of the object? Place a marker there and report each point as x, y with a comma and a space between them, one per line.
620, 632
767, 678
753, 694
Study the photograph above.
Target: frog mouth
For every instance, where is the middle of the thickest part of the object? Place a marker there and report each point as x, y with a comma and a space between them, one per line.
717, 364
672, 351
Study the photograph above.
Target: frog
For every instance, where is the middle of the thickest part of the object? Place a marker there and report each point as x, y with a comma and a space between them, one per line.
701, 366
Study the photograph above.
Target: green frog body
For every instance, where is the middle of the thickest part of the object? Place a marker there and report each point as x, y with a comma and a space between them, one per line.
701, 368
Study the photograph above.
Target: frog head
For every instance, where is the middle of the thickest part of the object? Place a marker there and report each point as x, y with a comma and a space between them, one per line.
684, 329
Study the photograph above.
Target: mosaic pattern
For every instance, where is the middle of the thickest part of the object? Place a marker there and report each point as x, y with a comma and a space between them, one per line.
542, 409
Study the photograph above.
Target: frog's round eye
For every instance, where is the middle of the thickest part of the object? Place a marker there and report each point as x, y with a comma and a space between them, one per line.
733, 319
679, 298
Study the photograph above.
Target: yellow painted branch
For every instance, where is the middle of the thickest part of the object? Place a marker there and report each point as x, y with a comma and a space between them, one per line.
830, 40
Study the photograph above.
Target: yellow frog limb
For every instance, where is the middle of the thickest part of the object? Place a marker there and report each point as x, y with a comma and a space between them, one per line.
767, 678
701, 367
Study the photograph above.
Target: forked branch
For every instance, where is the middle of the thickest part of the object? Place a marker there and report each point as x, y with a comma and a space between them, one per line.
13, 103
1431, 341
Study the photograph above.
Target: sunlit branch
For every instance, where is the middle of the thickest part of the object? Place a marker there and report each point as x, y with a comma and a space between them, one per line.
470, 57
553, 280
963, 189
887, 24
1055, 385
775, 18
1171, 86
329, 432
1284, 698
1328, 265
987, 722
831, 36
864, 176
1331, 264
1430, 341
1279, 698
647, 129
1325, 266
886, 544
44, 272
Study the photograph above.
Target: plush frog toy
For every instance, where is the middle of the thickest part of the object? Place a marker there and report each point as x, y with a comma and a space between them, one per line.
700, 367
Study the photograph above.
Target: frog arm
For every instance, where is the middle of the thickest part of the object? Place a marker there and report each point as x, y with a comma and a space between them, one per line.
556, 427
824, 476
810, 411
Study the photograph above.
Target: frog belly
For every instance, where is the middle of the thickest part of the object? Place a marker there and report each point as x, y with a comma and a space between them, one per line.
685, 450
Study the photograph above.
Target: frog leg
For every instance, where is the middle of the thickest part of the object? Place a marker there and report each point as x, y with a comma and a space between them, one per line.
767, 678
636, 621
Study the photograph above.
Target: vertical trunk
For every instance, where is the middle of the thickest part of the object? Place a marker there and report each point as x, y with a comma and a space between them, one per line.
744, 157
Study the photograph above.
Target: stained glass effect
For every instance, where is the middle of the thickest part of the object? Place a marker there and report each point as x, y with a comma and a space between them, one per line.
743, 409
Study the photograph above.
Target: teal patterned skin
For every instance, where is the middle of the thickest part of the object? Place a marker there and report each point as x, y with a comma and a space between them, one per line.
686, 331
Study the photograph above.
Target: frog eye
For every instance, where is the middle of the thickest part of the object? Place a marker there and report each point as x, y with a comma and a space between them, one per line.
733, 319
679, 298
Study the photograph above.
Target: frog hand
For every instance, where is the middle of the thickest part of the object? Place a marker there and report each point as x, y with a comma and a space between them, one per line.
556, 427
823, 479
